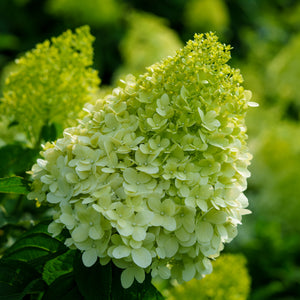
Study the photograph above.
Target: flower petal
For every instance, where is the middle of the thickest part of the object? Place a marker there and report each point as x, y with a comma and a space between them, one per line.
204, 232
89, 257
127, 278
141, 257
121, 251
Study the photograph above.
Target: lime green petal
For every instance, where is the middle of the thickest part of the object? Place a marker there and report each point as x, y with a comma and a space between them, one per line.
148, 169
139, 275
188, 272
182, 234
169, 223
154, 203
171, 247
169, 207
216, 217
130, 175
127, 278
139, 233
202, 205
164, 272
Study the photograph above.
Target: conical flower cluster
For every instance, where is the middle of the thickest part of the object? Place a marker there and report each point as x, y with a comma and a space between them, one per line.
153, 177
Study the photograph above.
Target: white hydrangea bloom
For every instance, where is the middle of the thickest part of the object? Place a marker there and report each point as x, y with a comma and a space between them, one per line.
153, 177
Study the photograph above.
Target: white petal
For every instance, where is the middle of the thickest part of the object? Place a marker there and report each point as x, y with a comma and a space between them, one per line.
80, 233
89, 257
67, 219
52, 198
141, 257
121, 251
95, 234
55, 228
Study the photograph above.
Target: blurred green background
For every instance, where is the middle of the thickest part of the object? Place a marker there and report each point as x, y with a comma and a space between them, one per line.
133, 34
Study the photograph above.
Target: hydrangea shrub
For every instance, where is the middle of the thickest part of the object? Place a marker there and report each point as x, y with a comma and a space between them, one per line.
153, 176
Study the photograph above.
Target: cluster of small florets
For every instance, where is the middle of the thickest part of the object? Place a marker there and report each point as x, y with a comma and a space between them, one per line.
51, 83
153, 177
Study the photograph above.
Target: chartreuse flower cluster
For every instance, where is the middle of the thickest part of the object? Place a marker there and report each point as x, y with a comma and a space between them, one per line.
52, 82
153, 177
230, 280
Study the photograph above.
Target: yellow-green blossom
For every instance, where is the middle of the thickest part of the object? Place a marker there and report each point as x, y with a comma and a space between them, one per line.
230, 280
52, 82
153, 176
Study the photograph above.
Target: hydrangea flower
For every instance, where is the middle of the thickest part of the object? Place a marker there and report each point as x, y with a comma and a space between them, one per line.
50, 83
153, 176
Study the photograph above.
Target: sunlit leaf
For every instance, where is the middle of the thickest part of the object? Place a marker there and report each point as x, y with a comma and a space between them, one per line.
13, 184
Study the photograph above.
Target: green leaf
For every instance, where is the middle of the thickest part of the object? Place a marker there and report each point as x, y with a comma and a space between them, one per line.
58, 266
138, 291
3, 220
48, 132
15, 159
103, 282
64, 287
36, 247
18, 279
93, 282
13, 184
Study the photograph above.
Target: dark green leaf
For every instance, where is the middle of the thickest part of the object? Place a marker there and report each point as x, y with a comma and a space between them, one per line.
13, 123
36, 247
103, 282
18, 279
15, 159
13, 184
48, 132
94, 282
36, 240
138, 291
3, 220
58, 266
64, 287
